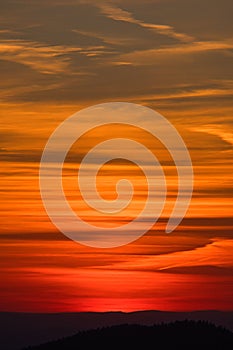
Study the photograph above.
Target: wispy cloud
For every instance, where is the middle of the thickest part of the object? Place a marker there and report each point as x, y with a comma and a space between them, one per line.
217, 130
50, 59
7, 31
16, 91
118, 14
217, 253
148, 57
187, 93
45, 59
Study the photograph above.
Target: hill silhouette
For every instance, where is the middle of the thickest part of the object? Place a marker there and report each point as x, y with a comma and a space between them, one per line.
177, 335
20, 330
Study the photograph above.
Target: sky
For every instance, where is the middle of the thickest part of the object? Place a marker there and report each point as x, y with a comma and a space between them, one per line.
57, 57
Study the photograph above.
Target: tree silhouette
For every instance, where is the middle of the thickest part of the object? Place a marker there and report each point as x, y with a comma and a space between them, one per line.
177, 335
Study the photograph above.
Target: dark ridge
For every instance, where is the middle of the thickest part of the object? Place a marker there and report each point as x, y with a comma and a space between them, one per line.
19, 330
176, 335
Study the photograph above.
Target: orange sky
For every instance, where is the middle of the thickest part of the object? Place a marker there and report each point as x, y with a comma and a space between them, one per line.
78, 54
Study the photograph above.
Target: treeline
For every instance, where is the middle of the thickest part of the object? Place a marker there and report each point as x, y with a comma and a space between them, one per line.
176, 335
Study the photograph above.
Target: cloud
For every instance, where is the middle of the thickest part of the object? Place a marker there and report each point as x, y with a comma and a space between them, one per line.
186, 93
217, 130
149, 56
117, 14
20, 90
217, 253
45, 59
50, 59
6, 31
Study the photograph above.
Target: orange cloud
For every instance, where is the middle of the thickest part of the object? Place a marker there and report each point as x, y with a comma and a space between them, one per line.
148, 56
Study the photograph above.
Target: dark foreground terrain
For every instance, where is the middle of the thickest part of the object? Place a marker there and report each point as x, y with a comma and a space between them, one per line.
20, 330
176, 335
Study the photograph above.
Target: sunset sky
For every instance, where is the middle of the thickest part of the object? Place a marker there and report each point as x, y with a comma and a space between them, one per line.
174, 56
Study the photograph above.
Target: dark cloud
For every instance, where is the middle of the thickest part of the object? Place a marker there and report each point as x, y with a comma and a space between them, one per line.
86, 50
201, 270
